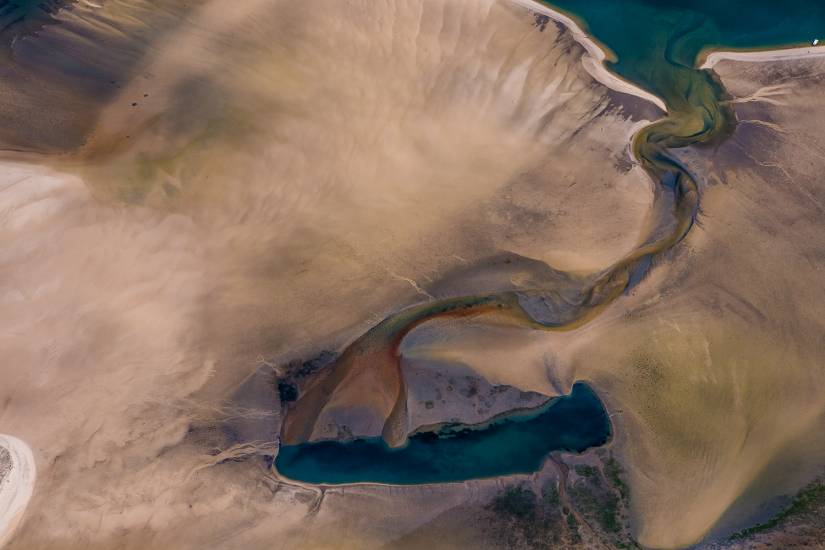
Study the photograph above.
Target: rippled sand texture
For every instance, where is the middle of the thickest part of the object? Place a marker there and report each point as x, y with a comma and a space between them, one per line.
54, 78
290, 173
716, 362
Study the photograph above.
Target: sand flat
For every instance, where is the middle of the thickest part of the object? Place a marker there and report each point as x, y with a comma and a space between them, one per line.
356, 167
279, 179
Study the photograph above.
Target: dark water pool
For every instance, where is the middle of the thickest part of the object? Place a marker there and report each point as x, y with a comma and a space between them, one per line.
517, 443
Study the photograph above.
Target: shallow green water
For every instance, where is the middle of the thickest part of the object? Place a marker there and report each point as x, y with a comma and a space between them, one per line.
657, 41
655, 45
518, 443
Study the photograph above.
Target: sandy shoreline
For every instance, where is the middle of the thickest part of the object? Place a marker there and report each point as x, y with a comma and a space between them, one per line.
594, 60
711, 58
17, 487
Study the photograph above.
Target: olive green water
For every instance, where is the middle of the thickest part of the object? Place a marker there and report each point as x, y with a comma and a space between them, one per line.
654, 44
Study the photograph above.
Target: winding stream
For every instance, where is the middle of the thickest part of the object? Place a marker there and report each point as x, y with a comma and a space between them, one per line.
656, 45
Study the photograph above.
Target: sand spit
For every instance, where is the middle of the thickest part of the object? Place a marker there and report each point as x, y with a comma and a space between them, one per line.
17, 476
594, 60
709, 60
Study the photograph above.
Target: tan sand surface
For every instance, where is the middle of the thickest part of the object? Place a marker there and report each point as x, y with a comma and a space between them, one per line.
594, 60
291, 173
716, 361
714, 57
712, 368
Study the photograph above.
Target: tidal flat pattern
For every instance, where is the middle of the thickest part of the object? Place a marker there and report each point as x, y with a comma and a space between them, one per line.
246, 246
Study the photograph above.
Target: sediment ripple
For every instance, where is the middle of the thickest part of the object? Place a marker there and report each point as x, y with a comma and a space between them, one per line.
696, 116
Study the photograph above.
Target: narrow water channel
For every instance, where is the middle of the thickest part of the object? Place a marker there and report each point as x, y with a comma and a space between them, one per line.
656, 45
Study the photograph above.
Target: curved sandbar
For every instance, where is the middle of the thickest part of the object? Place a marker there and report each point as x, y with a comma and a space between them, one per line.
564, 303
710, 59
594, 60
16, 486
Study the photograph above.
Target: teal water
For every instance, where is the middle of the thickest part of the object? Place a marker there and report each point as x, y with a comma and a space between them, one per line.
518, 443
657, 42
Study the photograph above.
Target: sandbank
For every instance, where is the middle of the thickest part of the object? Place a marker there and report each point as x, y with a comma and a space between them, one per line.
710, 59
594, 60
16, 487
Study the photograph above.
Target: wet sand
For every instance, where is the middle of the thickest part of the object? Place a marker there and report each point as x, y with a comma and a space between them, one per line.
594, 60
174, 289
355, 171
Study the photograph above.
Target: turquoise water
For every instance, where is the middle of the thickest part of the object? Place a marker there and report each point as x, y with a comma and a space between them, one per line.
657, 42
518, 443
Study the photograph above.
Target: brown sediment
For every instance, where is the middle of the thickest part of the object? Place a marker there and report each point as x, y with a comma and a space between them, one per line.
299, 251
509, 413
74, 58
674, 214
650, 147
373, 361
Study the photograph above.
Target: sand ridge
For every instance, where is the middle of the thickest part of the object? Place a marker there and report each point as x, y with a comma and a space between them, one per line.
594, 60
710, 59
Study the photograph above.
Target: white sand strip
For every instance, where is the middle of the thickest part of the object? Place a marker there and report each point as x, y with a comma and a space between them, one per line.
594, 60
16, 487
712, 58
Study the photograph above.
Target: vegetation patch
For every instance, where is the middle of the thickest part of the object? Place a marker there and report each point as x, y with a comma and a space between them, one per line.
585, 470
287, 392
599, 495
516, 502
613, 471
523, 519
810, 499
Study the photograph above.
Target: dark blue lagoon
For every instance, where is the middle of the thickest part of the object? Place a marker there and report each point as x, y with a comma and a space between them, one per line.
516, 443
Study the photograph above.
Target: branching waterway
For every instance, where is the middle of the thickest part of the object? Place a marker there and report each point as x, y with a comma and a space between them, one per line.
656, 45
